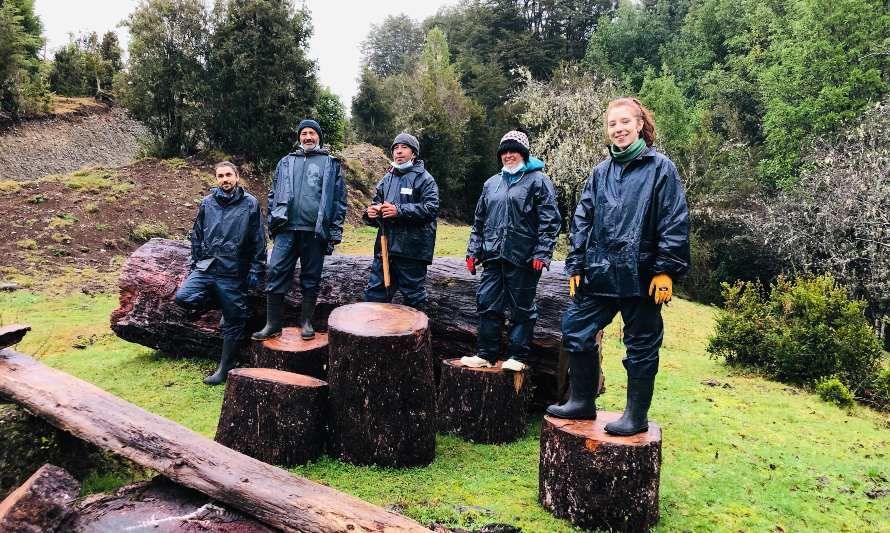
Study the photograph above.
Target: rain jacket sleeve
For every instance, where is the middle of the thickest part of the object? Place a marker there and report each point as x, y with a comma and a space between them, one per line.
426, 209
196, 236
336, 233
672, 252
256, 242
474, 245
272, 222
580, 228
378, 199
548, 221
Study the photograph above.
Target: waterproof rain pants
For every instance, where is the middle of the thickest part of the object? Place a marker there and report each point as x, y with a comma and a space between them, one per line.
505, 286
290, 246
407, 276
203, 290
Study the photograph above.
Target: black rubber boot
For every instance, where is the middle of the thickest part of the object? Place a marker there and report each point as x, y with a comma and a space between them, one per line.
584, 376
634, 420
306, 330
226, 362
274, 312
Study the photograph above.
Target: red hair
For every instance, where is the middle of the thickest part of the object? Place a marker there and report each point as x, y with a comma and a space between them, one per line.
643, 113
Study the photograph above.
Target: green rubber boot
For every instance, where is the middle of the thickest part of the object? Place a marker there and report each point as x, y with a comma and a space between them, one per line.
634, 420
274, 318
226, 362
306, 330
584, 377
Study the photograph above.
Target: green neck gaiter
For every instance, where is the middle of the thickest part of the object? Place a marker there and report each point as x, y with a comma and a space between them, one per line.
631, 152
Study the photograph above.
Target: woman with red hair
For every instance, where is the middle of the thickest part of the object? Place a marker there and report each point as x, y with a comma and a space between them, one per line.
629, 241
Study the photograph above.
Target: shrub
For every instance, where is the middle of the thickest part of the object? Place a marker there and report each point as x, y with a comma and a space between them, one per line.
802, 331
144, 232
91, 207
833, 391
880, 389
27, 244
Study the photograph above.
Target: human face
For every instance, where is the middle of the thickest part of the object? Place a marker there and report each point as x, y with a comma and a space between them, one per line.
511, 159
226, 178
402, 153
308, 138
623, 126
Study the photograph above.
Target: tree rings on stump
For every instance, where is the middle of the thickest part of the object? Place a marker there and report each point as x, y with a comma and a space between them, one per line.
291, 353
597, 480
487, 405
382, 386
275, 416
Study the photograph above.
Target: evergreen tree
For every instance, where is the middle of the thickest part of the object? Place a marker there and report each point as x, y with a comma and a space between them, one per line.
331, 117
372, 114
22, 87
262, 82
393, 47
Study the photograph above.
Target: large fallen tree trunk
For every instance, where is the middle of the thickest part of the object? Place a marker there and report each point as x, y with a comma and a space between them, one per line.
147, 314
269, 493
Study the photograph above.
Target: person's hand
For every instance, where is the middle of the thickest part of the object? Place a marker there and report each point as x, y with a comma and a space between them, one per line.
471, 265
574, 283
254, 280
389, 210
538, 265
373, 210
661, 288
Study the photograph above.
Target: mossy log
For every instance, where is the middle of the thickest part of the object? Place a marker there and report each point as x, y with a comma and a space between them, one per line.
487, 405
275, 416
596, 480
381, 385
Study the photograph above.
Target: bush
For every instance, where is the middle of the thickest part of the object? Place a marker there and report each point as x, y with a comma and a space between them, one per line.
144, 232
803, 331
880, 389
833, 391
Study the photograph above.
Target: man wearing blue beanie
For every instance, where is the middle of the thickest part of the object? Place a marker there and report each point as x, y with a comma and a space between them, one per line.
307, 206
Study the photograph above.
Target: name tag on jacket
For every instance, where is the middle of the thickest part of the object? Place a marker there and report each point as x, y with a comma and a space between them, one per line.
406, 190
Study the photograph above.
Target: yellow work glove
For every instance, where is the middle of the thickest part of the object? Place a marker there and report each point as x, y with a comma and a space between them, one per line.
661, 288
574, 283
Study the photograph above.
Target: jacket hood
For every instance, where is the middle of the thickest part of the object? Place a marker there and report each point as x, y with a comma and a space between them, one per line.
312, 151
224, 199
533, 164
418, 167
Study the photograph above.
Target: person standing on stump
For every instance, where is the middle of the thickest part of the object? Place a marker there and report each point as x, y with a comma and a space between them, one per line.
629, 242
228, 257
405, 207
513, 235
307, 206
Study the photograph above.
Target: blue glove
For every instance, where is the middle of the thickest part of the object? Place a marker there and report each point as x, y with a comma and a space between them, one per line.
254, 280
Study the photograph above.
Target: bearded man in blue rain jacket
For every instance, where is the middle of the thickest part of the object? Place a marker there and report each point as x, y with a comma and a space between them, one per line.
307, 206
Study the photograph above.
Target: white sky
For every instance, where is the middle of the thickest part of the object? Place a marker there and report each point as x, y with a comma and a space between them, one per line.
339, 28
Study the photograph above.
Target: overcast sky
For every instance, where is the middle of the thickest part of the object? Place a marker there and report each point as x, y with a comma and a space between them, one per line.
340, 26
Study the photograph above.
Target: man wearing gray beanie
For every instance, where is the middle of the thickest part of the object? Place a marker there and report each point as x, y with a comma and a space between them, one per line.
307, 206
406, 204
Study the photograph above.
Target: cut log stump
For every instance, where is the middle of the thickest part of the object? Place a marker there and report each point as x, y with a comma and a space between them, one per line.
275, 416
291, 353
41, 503
381, 385
488, 405
597, 480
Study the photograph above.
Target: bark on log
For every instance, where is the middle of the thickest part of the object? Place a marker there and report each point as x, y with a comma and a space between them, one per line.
41, 503
291, 353
488, 405
12, 334
271, 494
158, 506
147, 314
382, 385
275, 416
597, 480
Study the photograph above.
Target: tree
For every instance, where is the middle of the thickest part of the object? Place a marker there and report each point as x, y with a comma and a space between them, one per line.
165, 87
372, 114
393, 46
331, 117
262, 82
22, 87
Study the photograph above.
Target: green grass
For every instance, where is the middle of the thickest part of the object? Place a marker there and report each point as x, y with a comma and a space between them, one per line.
451, 240
742, 453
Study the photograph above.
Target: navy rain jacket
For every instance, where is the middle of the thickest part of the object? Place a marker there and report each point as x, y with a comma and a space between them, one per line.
412, 233
516, 222
630, 224
227, 237
332, 206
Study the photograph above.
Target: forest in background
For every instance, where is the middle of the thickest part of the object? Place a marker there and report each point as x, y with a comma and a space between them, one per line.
775, 111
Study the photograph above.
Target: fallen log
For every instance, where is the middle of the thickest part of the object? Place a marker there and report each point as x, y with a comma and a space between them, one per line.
147, 314
268, 493
41, 503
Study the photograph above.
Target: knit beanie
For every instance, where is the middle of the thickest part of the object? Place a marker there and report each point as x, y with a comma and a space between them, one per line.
514, 141
408, 140
309, 123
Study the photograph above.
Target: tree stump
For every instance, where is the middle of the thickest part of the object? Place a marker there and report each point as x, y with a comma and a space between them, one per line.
275, 416
41, 503
597, 480
291, 353
381, 385
488, 405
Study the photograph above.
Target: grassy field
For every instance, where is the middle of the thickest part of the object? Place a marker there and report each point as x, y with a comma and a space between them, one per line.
740, 452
